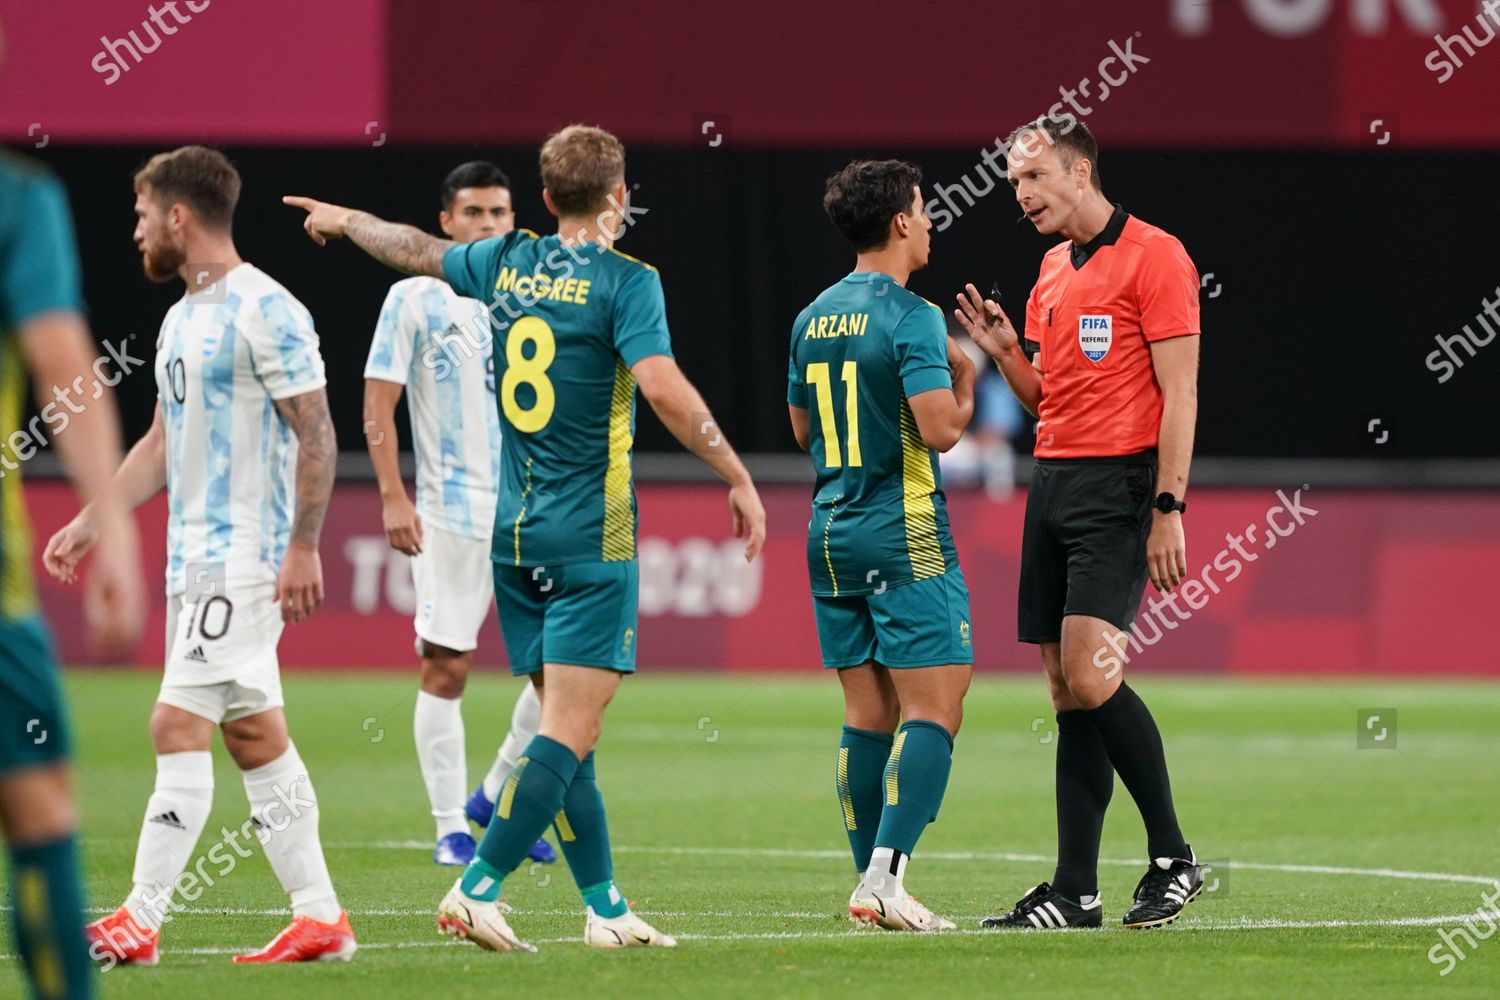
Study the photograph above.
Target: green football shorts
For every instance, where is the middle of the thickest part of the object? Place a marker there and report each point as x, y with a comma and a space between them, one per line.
582, 614
33, 722
924, 623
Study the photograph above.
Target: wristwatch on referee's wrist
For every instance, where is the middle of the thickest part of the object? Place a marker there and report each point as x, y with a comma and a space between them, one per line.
1167, 503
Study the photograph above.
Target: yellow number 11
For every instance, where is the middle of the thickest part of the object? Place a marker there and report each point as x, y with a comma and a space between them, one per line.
818, 377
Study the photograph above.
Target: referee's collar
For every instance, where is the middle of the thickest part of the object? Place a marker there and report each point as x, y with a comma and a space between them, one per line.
1107, 236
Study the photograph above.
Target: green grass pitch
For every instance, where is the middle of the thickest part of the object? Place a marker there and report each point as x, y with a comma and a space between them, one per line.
1337, 866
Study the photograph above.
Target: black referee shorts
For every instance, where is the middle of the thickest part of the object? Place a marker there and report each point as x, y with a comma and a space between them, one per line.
1083, 547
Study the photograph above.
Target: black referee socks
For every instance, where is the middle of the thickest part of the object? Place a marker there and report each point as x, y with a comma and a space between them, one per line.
1085, 782
1134, 745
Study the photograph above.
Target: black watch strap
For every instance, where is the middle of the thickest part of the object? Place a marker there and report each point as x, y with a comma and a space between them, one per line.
1167, 503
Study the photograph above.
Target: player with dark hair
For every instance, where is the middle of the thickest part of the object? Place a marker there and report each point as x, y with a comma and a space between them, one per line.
479, 189
434, 345
244, 445
43, 335
1114, 320
890, 389
578, 326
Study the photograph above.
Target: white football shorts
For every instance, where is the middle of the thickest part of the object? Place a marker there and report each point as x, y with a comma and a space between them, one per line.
455, 587
221, 653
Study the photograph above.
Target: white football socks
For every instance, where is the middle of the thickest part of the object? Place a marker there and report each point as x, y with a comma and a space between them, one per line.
175, 816
439, 730
886, 872
525, 720
284, 808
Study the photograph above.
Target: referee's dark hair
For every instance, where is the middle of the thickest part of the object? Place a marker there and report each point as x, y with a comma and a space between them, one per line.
863, 198
474, 174
1072, 139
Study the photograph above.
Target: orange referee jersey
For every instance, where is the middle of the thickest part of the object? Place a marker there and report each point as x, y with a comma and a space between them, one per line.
1095, 325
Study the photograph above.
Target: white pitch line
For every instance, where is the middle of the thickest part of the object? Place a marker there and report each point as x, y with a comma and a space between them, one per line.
856, 934
1257, 925
781, 852
431, 911
1374, 872
1246, 923
1241, 925
1270, 925
859, 934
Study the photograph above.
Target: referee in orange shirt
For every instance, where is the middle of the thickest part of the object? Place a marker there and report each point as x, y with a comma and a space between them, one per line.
1114, 321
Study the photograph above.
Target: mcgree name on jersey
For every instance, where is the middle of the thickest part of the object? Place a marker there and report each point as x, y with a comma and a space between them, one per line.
543, 287
837, 325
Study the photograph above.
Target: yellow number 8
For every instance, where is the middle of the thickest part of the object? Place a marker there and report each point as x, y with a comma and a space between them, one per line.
521, 370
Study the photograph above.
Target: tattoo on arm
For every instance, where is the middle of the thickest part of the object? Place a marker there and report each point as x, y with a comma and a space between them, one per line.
405, 248
317, 458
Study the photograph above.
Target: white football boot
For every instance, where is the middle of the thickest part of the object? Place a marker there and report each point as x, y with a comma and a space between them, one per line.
893, 910
480, 922
625, 931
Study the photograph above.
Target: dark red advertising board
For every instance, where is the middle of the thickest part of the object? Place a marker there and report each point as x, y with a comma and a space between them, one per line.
1158, 73
1298, 580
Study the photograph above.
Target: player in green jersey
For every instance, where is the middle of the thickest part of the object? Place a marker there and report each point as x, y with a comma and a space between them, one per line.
43, 334
876, 388
578, 327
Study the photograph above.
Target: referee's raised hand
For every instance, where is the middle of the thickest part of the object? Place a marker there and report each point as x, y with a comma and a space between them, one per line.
985, 322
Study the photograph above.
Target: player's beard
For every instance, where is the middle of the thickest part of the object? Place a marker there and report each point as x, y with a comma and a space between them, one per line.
161, 265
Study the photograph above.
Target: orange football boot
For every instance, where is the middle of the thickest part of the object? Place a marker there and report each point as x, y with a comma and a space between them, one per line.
308, 940
119, 937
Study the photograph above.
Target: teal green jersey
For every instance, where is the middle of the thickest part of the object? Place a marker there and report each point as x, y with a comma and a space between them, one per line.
879, 518
569, 322
38, 274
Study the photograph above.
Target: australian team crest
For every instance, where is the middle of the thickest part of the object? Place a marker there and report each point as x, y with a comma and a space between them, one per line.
1095, 335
